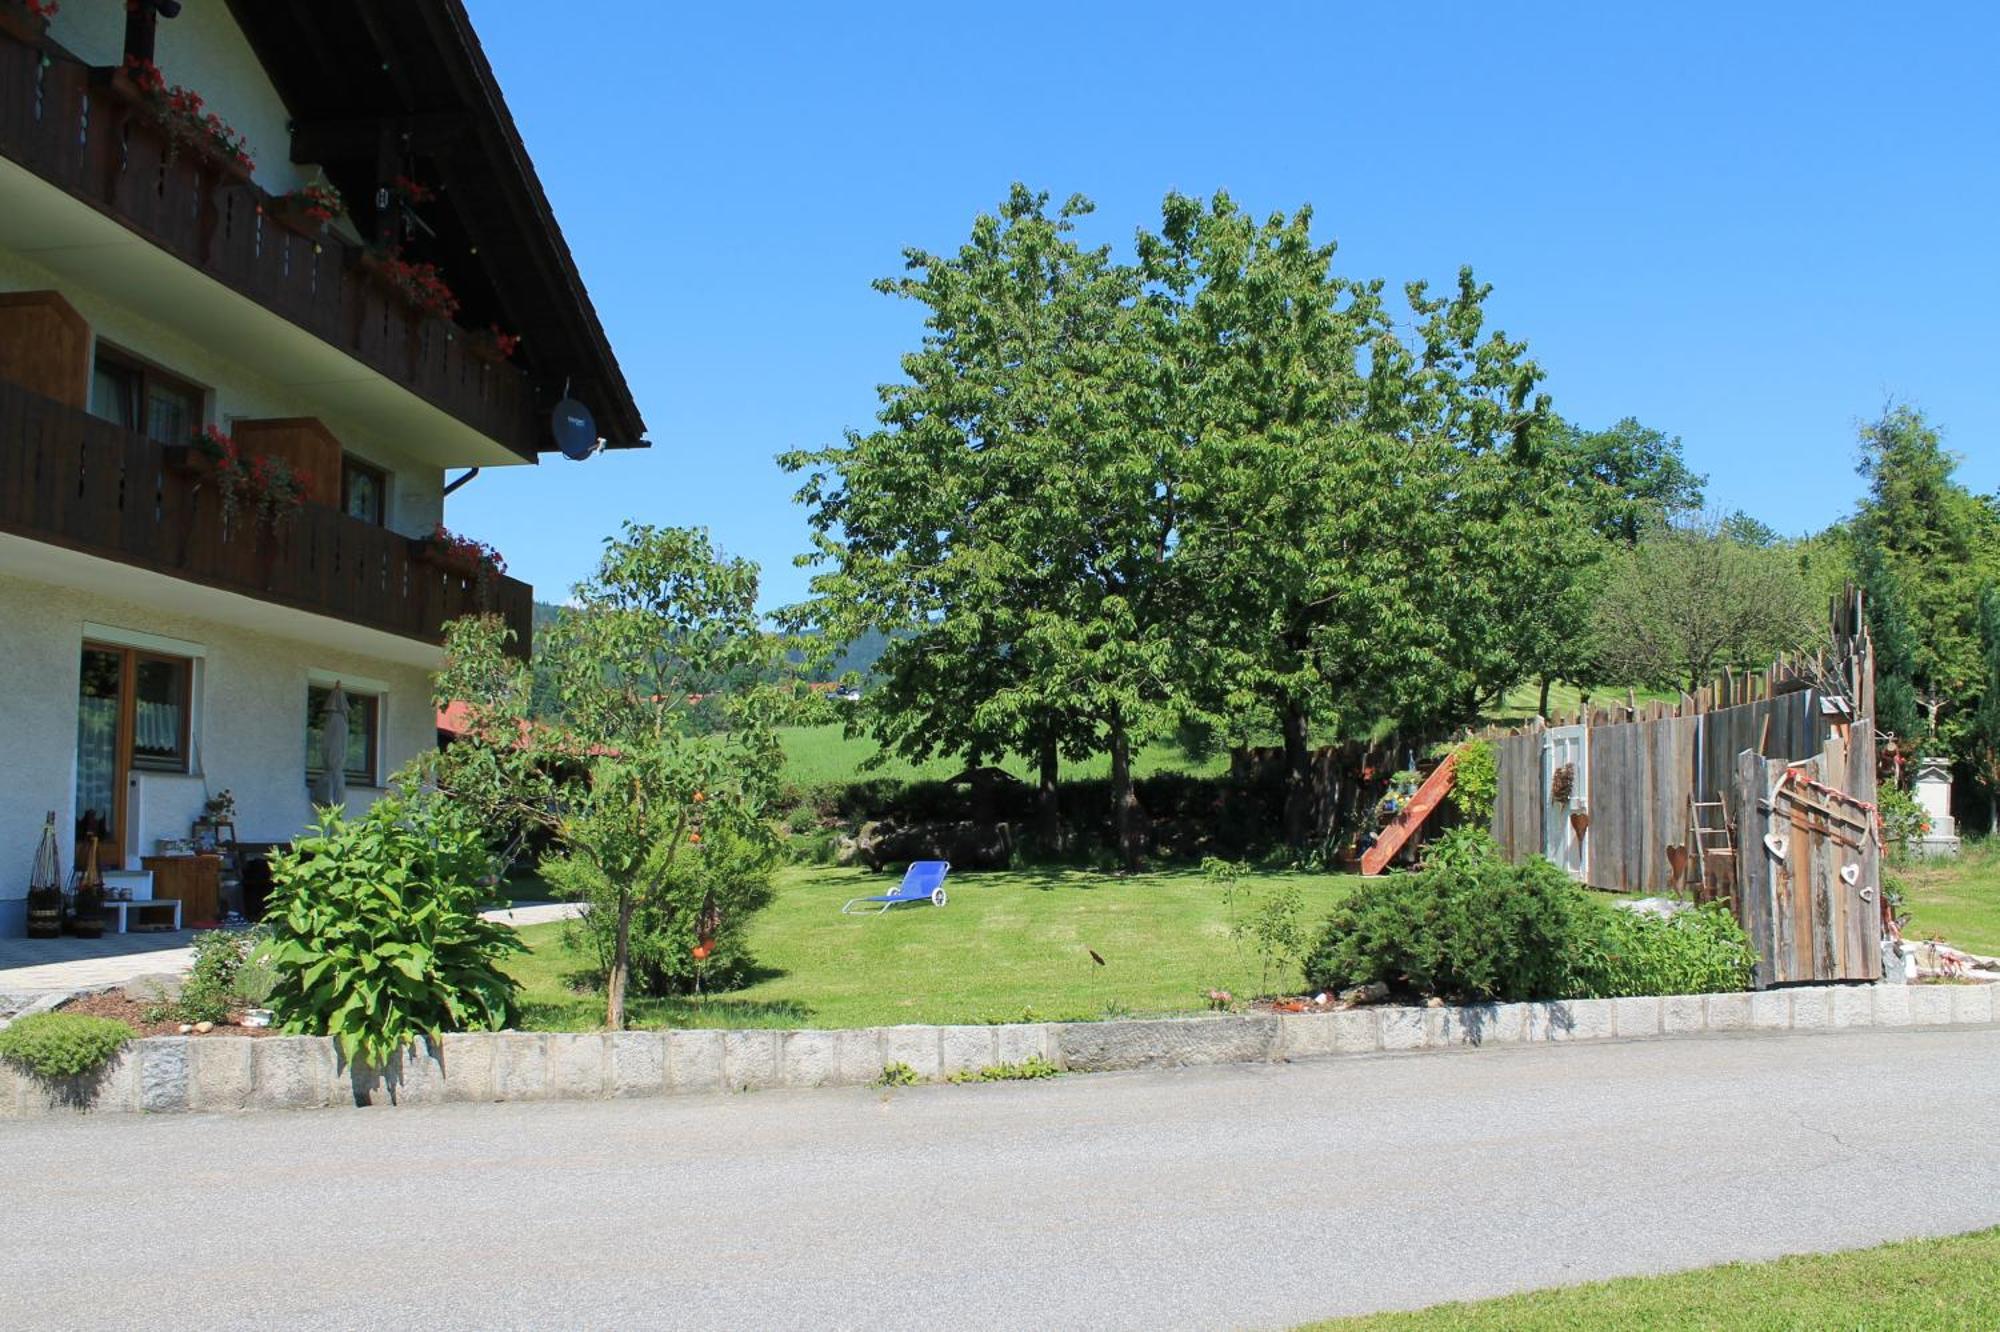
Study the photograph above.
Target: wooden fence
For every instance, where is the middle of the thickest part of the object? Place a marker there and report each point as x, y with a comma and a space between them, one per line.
1799, 856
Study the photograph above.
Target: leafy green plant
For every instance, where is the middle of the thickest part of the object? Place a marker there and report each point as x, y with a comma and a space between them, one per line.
1468, 926
897, 1074
209, 993
1619, 952
1278, 928
669, 948
54, 1046
1903, 819
376, 932
1475, 782
257, 977
1028, 1070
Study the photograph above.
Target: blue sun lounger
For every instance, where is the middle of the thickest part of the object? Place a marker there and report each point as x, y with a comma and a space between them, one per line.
922, 882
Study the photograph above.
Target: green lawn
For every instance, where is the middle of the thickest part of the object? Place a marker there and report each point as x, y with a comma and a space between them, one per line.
1008, 946
1956, 899
819, 755
1916, 1286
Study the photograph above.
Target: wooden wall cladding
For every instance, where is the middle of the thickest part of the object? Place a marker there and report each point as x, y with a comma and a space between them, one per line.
45, 346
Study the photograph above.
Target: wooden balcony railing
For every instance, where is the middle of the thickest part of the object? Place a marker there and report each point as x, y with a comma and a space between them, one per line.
64, 121
72, 480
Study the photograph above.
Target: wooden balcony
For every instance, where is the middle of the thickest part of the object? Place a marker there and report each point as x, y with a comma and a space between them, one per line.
66, 123
72, 480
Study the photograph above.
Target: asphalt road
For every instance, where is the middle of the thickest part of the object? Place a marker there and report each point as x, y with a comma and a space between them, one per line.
1255, 1196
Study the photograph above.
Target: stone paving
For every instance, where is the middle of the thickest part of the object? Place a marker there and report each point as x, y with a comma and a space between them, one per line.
36, 966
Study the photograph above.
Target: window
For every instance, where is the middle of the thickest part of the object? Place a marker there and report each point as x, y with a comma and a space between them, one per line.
364, 715
132, 714
364, 491
138, 397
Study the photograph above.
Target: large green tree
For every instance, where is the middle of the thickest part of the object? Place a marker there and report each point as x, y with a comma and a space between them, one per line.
1689, 600
1631, 476
1011, 521
1371, 533
1938, 547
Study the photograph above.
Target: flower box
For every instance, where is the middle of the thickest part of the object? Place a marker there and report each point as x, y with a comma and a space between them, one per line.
490, 345
419, 287
178, 114
295, 215
459, 556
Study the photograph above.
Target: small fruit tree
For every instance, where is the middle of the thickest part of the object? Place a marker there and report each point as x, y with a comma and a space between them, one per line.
666, 623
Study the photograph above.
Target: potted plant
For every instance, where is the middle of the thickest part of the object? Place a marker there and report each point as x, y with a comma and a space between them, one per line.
268, 487
308, 209
417, 285
462, 556
184, 117
491, 345
27, 20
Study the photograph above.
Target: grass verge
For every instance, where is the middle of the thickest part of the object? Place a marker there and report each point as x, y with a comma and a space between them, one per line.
1922, 1285
1958, 900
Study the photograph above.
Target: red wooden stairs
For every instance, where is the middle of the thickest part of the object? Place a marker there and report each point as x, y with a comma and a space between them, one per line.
1410, 817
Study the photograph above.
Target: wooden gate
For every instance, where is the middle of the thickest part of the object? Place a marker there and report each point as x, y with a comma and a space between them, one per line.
1565, 797
1810, 862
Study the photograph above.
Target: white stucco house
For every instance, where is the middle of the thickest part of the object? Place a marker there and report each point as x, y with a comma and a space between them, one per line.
169, 618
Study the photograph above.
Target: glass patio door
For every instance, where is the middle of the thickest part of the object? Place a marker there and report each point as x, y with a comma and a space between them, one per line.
100, 769
132, 711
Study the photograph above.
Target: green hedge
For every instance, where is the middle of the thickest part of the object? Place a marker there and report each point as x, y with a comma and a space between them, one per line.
1470, 927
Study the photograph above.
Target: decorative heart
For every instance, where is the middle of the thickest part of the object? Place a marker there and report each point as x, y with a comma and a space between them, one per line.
1851, 873
1777, 845
1677, 861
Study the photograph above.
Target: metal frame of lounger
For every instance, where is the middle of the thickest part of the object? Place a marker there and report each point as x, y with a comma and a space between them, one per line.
936, 896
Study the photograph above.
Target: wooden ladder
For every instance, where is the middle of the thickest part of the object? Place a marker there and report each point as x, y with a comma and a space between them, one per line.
1714, 849
1410, 817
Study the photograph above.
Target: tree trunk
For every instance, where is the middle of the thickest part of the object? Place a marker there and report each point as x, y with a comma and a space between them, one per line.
1542, 707
1124, 804
1048, 811
621, 965
1298, 776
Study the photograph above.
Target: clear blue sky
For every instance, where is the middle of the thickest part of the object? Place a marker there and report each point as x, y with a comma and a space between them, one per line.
1748, 225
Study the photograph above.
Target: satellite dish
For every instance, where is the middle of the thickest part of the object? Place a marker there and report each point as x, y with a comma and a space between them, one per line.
574, 429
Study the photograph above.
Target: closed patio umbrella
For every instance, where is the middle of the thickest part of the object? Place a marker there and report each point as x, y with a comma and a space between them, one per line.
333, 746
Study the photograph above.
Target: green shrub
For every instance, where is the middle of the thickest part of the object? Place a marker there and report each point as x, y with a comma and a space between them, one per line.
258, 977
1620, 952
376, 932
54, 1046
1475, 782
1903, 819
209, 993
735, 869
1468, 926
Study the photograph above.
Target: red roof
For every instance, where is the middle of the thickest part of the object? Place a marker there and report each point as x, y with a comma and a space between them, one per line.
455, 719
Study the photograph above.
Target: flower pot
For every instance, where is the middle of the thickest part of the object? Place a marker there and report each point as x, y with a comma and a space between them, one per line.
484, 349
295, 215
